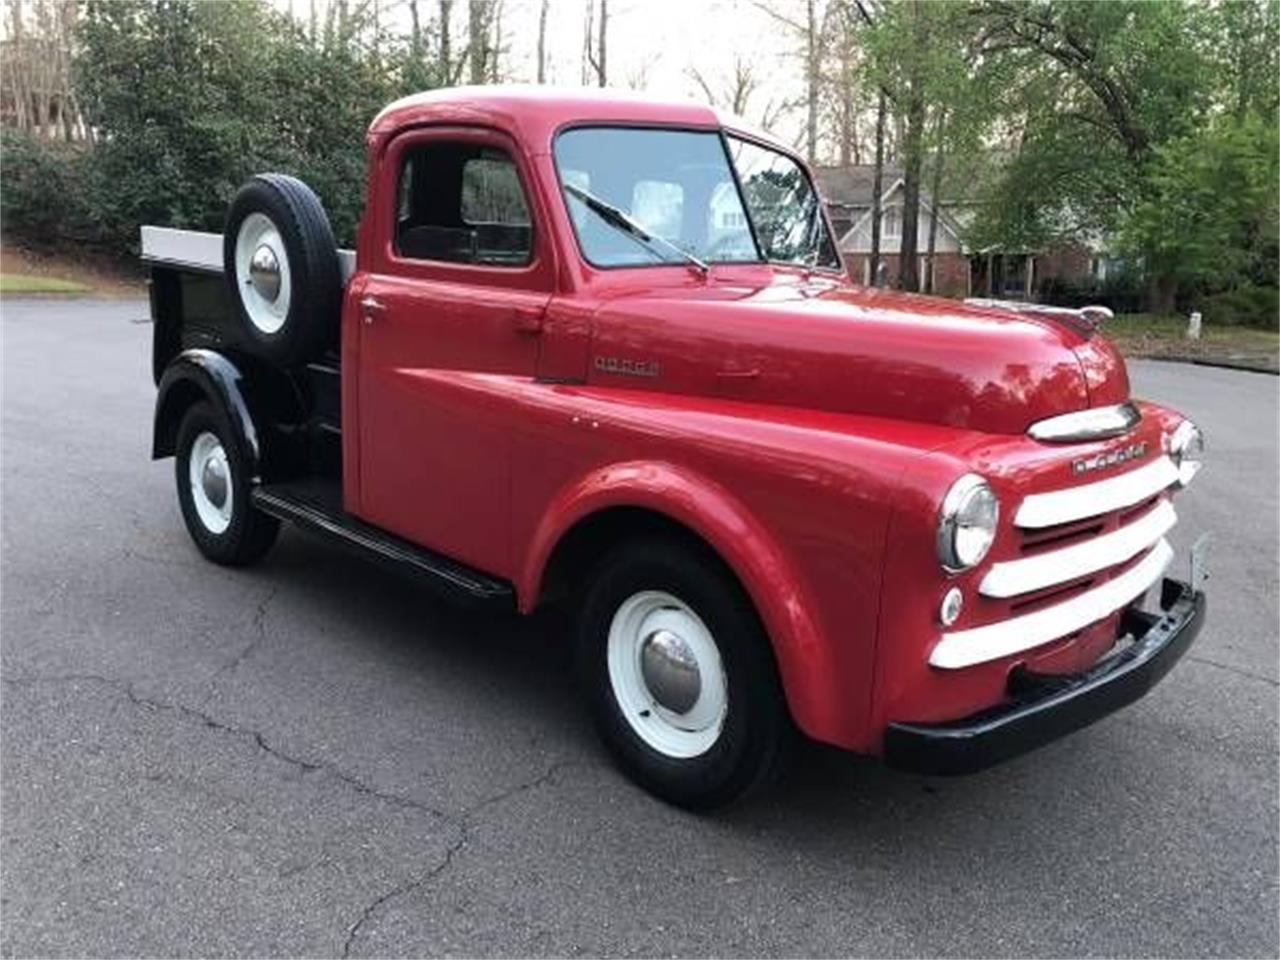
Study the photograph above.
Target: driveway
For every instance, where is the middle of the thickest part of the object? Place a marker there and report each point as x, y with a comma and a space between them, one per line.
312, 758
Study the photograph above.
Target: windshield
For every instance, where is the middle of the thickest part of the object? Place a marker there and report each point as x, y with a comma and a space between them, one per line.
677, 186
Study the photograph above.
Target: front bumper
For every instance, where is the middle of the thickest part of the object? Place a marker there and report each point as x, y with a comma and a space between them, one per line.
1043, 708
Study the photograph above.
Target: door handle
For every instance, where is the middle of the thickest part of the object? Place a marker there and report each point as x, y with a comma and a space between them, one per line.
369, 306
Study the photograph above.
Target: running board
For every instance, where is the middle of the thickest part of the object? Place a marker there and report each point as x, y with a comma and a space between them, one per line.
314, 507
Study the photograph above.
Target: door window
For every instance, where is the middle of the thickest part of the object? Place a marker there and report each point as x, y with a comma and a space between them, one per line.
462, 203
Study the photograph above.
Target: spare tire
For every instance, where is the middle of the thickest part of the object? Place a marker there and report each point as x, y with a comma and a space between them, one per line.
281, 261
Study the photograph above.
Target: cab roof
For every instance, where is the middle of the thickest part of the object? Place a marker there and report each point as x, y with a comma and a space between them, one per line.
534, 114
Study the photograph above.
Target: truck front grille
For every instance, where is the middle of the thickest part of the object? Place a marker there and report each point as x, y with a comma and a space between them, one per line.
1081, 554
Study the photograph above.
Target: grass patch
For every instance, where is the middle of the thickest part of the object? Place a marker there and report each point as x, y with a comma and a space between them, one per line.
1165, 336
26, 283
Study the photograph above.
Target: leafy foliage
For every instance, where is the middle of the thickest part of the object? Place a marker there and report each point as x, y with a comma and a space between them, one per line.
188, 100
42, 197
1152, 124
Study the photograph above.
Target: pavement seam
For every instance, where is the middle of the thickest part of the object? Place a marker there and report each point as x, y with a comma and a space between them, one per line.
1238, 671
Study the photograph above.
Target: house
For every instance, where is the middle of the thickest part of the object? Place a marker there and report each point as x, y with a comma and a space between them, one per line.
958, 271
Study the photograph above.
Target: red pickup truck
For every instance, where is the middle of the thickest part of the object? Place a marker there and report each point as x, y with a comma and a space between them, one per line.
600, 353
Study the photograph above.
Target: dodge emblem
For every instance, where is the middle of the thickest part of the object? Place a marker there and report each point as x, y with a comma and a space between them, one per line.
1110, 458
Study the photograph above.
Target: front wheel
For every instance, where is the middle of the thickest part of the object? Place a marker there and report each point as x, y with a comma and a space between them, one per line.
680, 675
213, 491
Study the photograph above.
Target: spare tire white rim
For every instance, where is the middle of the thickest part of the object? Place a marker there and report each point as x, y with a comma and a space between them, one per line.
666, 674
212, 489
262, 273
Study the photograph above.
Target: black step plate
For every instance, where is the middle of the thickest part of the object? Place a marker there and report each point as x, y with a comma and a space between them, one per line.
318, 507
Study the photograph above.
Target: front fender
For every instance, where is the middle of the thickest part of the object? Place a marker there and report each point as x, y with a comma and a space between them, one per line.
706, 508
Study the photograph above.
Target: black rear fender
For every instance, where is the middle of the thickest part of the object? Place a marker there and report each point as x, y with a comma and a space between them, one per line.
261, 406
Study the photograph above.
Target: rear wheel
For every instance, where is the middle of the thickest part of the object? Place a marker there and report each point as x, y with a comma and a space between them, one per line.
680, 675
213, 492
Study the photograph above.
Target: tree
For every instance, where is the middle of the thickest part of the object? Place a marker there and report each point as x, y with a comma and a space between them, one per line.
1095, 90
918, 54
595, 44
812, 29
1210, 211
542, 40
735, 92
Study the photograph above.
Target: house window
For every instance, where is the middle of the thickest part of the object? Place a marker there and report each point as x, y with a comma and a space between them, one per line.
462, 203
892, 222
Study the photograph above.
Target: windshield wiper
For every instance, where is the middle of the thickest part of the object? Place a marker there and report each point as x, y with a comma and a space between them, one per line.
624, 224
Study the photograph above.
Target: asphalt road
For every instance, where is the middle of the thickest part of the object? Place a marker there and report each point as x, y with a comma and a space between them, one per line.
309, 757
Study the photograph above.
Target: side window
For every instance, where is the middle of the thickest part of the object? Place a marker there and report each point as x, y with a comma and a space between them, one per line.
462, 203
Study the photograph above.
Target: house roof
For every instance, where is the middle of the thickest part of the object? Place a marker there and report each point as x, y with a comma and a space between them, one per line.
850, 186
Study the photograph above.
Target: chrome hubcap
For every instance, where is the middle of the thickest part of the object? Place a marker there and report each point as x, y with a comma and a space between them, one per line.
264, 272
666, 674
209, 473
214, 479
670, 671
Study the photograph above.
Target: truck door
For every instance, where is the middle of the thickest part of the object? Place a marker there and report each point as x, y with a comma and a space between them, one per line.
458, 283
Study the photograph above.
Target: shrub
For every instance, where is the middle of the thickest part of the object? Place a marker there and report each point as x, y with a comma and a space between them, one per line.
1250, 306
43, 198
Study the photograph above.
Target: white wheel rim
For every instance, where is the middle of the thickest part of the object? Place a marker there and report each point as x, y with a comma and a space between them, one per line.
207, 463
678, 735
256, 231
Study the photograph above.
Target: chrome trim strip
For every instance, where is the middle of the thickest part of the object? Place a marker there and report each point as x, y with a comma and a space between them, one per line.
995, 640
1092, 499
1098, 423
199, 250
1015, 577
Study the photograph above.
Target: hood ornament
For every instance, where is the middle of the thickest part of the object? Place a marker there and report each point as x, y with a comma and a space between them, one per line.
1084, 320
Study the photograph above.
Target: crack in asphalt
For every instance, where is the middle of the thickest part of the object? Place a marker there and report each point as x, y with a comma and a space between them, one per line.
1239, 671
259, 626
460, 821
213, 723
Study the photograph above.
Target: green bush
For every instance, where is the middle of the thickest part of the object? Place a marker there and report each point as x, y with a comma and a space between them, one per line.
43, 198
1245, 306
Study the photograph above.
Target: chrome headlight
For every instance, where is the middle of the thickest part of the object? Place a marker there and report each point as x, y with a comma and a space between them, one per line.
1186, 448
967, 523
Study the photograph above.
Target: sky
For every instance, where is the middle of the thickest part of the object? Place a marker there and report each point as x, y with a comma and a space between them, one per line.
652, 45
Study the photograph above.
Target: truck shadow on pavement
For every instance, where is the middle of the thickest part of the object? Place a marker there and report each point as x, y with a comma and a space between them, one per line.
502, 669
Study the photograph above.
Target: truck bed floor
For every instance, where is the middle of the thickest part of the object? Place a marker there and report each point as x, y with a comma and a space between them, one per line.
317, 506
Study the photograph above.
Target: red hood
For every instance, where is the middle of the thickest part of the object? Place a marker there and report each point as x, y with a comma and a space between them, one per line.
817, 344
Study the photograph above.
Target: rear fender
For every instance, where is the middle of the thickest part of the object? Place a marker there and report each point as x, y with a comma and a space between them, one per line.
259, 415
728, 527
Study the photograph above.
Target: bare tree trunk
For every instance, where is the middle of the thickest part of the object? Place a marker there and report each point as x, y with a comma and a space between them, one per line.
877, 187
478, 40
588, 43
913, 150
908, 268
602, 67
595, 45
446, 42
542, 41
495, 52
935, 191
813, 70
848, 110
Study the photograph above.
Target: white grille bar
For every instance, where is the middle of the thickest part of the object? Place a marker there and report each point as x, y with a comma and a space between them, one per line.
1015, 577
980, 644
1094, 499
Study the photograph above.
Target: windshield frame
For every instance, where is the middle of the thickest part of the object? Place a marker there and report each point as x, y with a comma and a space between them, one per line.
722, 134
